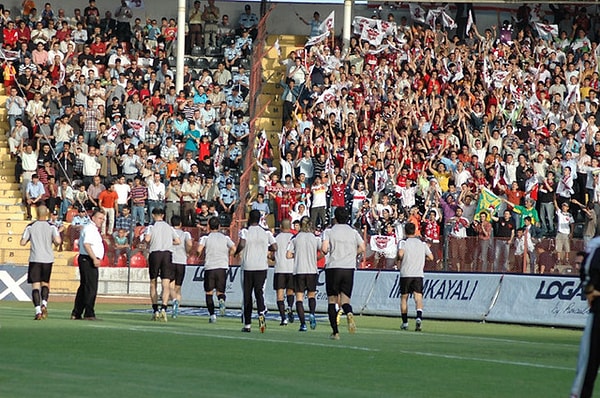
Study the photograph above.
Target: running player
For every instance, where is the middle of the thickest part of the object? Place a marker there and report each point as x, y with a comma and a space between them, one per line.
219, 247
303, 248
254, 245
41, 234
283, 280
344, 244
161, 237
412, 253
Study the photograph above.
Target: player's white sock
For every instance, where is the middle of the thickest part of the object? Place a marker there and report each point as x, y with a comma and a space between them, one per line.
38, 309
44, 303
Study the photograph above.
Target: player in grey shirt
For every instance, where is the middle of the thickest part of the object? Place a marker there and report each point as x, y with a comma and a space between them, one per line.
254, 245
344, 244
283, 279
412, 253
161, 237
180, 253
41, 234
303, 248
218, 247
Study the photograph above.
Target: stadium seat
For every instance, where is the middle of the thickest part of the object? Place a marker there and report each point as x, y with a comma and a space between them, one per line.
138, 260
172, 61
202, 63
122, 260
197, 51
189, 61
214, 62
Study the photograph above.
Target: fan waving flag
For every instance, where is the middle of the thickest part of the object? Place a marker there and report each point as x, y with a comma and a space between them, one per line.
329, 23
488, 202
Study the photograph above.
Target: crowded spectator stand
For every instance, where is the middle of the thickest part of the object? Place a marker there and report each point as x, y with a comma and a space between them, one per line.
99, 113
434, 113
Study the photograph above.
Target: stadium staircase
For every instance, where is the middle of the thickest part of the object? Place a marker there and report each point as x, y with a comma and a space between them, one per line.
269, 100
12, 218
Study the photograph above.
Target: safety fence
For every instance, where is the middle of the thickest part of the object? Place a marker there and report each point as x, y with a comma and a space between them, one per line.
471, 254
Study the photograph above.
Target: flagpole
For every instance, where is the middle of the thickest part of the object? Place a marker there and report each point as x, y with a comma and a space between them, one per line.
347, 29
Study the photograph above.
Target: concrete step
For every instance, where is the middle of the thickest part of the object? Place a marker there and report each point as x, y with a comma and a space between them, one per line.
8, 186
272, 89
12, 212
298, 40
271, 64
10, 197
13, 227
8, 165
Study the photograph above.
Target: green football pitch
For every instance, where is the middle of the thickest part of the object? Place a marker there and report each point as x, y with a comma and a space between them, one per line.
127, 355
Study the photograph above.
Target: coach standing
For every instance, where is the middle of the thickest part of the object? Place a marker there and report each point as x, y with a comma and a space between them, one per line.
344, 244
41, 234
254, 244
412, 253
91, 251
589, 350
161, 237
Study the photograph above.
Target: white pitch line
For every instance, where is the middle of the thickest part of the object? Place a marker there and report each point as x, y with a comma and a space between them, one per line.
488, 360
247, 338
470, 337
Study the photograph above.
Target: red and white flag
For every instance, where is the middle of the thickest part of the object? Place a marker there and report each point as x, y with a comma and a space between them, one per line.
317, 39
448, 21
432, 16
546, 31
138, 128
373, 35
469, 22
383, 243
329, 23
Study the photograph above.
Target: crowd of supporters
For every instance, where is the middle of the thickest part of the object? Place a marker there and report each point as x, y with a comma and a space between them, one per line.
96, 122
414, 129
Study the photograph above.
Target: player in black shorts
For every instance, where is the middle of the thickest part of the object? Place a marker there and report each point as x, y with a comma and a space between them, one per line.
161, 237
218, 247
283, 279
412, 253
303, 248
344, 244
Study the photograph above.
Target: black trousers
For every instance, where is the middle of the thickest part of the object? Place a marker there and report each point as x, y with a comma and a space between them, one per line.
254, 281
85, 299
589, 358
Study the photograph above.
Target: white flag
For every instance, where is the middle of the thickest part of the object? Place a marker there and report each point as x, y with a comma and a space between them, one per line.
383, 243
546, 31
277, 46
469, 22
373, 35
112, 132
431, 17
317, 39
329, 23
417, 12
138, 128
448, 21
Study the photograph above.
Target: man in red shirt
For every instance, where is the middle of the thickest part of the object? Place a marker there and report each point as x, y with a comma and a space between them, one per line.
338, 194
108, 202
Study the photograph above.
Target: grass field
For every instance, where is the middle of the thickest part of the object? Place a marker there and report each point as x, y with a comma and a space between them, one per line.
127, 355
